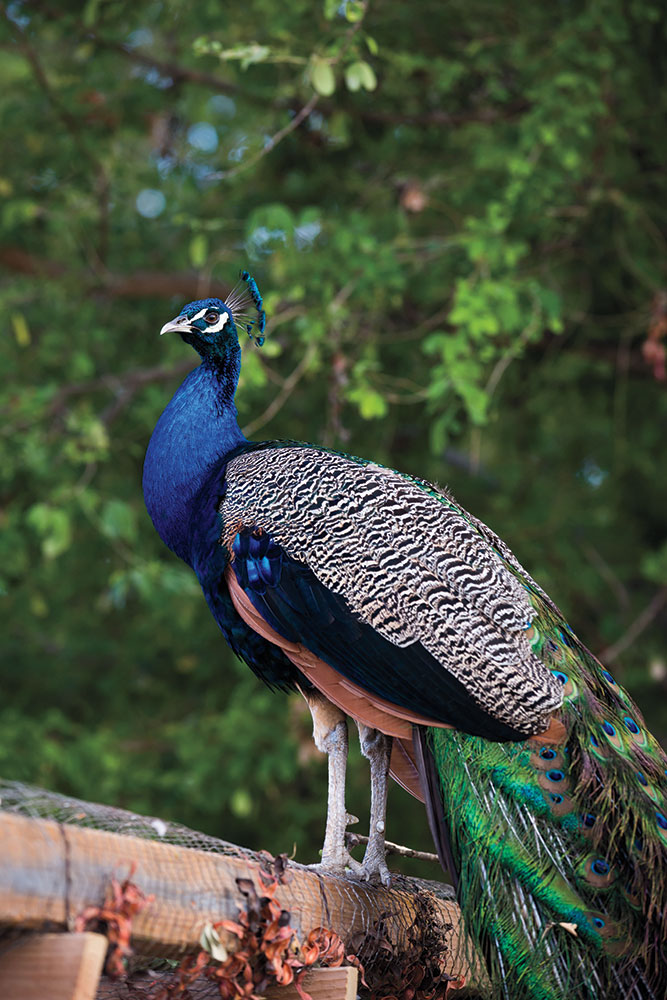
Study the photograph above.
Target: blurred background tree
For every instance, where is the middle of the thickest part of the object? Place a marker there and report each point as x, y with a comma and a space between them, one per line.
456, 212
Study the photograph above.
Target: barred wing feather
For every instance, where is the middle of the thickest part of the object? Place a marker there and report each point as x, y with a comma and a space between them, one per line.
400, 560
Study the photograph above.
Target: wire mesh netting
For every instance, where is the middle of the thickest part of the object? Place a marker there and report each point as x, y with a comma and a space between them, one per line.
61, 854
26, 800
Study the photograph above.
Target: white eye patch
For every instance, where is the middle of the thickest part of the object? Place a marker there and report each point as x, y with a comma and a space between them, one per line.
218, 326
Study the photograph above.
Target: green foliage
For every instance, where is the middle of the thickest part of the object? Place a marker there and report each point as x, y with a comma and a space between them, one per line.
461, 248
360, 74
322, 76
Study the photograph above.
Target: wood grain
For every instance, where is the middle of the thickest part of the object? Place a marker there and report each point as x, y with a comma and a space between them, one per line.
52, 967
49, 872
321, 984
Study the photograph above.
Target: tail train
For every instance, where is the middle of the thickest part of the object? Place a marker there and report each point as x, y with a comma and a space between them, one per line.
559, 850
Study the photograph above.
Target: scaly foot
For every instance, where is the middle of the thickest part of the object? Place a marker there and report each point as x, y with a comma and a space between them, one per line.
330, 735
376, 747
374, 865
335, 856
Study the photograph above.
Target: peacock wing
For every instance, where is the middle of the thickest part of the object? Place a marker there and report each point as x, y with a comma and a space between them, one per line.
390, 584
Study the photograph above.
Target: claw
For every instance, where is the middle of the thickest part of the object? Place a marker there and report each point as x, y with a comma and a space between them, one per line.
376, 871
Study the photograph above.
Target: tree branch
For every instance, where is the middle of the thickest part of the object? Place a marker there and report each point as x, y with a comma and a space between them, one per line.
32, 59
440, 117
132, 379
123, 387
138, 285
177, 72
281, 398
354, 839
642, 621
185, 74
73, 126
157, 284
607, 574
273, 141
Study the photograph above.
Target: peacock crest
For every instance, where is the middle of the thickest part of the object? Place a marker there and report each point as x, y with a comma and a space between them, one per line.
244, 296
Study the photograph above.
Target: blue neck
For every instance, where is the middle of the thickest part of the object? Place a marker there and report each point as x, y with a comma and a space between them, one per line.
197, 430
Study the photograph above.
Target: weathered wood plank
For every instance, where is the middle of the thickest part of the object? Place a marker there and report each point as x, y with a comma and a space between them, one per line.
321, 984
49, 872
53, 966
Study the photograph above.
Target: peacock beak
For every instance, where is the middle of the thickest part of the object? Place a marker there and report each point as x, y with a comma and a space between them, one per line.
176, 325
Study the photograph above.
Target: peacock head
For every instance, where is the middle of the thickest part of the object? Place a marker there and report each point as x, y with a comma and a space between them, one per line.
207, 324
212, 326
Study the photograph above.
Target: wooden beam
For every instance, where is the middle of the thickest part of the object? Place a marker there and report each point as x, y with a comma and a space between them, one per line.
49, 872
53, 966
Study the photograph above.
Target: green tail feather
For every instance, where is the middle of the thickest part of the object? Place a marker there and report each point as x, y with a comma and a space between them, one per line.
562, 851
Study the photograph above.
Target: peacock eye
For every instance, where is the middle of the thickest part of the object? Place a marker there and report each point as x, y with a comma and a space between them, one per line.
212, 316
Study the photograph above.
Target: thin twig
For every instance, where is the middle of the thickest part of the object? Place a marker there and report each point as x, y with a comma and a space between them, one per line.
281, 398
642, 621
342, 295
338, 379
510, 355
299, 117
607, 574
172, 70
285, 315
354, 839
418, 332
407, 399
123, 386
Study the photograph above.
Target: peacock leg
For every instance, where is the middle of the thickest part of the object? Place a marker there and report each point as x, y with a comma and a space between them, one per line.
377, 748
330, 737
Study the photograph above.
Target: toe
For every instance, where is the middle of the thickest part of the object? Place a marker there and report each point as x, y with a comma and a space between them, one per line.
375, 871
385, 875
338, 863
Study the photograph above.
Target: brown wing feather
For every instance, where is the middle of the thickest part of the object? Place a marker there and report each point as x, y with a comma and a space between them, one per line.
351, 699
403, 768
371, 710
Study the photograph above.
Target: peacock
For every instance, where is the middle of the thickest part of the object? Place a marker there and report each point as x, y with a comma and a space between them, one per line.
379, 598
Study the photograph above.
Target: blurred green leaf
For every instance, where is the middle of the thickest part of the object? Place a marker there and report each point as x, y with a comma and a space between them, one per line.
53, 526
21, 329
119, 520
654, 565
198, 250
360, 74
322, 76
354, 10
372, 405
90, 12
